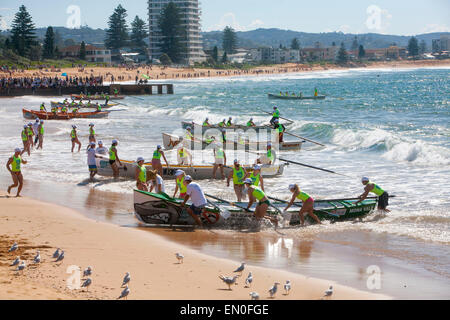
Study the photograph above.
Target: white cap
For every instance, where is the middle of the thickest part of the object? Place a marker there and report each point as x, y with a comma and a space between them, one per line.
115, 141
269, 144
188, 178
275, 107
248, 181
236, 161
219, 144
92, 143
140, 159
42, 121
74, 126
179, 173
256, 167
100, 142
158, 147
365, 179
25, 126
291, 186
91, 125
37, 120
18, 150
276, 120
188, 128
30, 124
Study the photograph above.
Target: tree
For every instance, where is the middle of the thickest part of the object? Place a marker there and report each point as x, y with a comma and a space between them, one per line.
165, 60
361, 52
215, 54
48, 51
117, 32
355, 44
172, 32
69, 42
22, 31
34, 53
82, 51
342, 57
413, 47
422, 47
295, 45
229, 40
225, 57
138, 34
57, 53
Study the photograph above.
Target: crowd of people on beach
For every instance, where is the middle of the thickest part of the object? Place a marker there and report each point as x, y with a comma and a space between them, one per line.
50, 82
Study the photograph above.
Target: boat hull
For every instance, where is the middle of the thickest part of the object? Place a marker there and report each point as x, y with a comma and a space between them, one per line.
197, 127
94, 98
275, 96
30, 114
61, 105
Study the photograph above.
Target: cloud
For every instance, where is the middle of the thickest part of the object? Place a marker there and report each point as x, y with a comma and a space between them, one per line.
344, 28
378, 19
434, 27
229, 19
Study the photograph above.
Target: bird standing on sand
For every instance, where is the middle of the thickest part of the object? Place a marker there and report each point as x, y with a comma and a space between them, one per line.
126, 279
254, 295
87, 272
21, 267
240, 269
60, 257
180, 257
87, 283
37, 258
56, 254
124, 293
274, 289
329, 292
249, 280
228, 280
15, 262
287, 287
14, 247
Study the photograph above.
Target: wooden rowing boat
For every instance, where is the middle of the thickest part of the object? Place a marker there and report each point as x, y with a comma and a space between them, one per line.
197, 172
31, 114
92, 98
160, 209
195, 126
171, 142
85, 106
277, 96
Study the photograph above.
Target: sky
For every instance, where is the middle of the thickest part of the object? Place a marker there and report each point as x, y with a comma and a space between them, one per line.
399, 17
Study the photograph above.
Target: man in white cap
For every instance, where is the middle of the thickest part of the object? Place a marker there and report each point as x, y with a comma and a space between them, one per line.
199, 202
371, 187
74, 138
238, 175
220, 160
92, 164
14, 167
101, 149
141, 175
35, 130
114, 159
40, 135
180, 175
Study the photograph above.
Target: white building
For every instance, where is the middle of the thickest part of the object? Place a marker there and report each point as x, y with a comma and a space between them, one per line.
93, 54
190, 16
272, 55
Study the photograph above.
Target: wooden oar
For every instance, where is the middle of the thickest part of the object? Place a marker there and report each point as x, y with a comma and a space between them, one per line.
301, 206
312, 167
291, 121
230, 203
309, 140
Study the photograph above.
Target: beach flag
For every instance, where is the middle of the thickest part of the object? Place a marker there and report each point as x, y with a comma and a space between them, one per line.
146, 77
64, 74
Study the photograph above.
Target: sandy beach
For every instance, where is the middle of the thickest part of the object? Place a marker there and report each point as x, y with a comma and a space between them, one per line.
123, 74
112, 251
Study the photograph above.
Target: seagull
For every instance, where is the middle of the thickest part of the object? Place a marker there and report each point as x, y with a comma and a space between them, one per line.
124, 293
21, 267
16, 262
180, 257
254, 295
249, 280
87, 272
287, 287
87, 283
329, 292
274, 289
126, 279
14, 247
37, 258
240, 269
61, 257
56, 254
229, 280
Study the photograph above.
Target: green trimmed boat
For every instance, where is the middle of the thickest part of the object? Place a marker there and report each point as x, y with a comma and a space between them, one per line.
283, 97
162, 210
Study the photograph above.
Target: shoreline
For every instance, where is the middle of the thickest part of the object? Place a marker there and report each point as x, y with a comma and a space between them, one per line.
112, 250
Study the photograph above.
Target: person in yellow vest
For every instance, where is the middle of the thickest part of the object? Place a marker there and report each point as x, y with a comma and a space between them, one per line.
280, 129
114, 159
184, 156
269, 157
275, 115
180, 175
40, 135
230, 122
370, 187
156, 160
42, 108
92, 133
250, 123
238, 175
206, 123
308, 204
256, 176
64, 110
25, 140
188, 135
255, 193
74, 138
14, 165
141, 175
220, 160
223, 123
316, 92
30, 135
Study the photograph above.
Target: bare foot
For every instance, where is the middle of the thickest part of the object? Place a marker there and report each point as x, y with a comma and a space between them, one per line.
9, 190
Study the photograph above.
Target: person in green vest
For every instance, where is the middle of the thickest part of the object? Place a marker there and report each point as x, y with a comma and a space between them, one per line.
156, 160
256, 176
116, 92
206, 123
114, 159
180, 175
370, 187
238, 175
224, 136
92, 133
275, 116
14, 165
230, 123
220, 160
40, 135
99, 108
74, 138
269, 157
30, 135
250, 123
281, 129
42, 108
209, 140
316, 92
184, 157
75, 110
141, 175
25, 140
307, 207
223, 123
255, 193
188, 135
64, 109
54, 110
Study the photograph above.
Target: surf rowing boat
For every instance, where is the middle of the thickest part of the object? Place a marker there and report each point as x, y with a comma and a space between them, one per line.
196, 172
83, 97
277, 96
31, 114
195, 126
160, 209
171, 142
85, 106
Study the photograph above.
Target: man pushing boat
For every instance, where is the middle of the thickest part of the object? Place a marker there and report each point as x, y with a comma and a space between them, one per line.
370, 187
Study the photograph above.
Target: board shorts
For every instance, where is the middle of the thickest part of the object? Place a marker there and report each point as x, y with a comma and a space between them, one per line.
91, 137
220, 161
383, 201
93, 168
264, 202
73, 139
197, 210
111, 162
